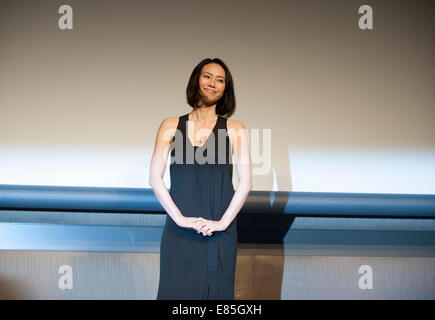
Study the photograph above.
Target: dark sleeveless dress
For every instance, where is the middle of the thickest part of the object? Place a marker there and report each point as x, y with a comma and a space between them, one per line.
194, 266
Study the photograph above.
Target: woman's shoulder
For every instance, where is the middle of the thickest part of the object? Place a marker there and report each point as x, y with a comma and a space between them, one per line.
235, 124
170, 122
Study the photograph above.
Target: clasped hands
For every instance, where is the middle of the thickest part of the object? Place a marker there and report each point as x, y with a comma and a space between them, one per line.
204, 226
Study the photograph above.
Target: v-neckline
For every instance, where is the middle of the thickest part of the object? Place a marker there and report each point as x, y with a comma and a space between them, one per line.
206, 140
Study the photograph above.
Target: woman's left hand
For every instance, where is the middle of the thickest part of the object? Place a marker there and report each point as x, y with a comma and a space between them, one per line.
207, 227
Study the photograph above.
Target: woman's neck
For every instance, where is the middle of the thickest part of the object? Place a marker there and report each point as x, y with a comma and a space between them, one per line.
204, 114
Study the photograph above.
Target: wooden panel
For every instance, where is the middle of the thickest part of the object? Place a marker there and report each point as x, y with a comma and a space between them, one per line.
244, 282
268, 276
258, 276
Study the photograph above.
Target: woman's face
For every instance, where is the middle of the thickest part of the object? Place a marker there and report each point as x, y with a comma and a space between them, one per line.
212, 82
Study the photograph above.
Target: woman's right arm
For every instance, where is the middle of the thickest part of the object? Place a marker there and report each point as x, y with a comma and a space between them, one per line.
158, 167
157, 172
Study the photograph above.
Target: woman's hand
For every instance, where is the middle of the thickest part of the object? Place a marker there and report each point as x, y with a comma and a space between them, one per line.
207, 227
190, 223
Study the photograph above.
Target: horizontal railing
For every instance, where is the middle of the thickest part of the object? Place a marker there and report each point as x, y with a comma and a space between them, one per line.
143, 200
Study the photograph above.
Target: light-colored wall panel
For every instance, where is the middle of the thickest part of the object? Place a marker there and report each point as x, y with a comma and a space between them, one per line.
34, 275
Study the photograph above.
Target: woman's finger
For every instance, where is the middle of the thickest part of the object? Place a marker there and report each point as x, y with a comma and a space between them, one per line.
201, 228
207, 230
204, 230
198, 225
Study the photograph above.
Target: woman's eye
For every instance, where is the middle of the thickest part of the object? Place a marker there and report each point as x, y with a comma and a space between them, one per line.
207, 76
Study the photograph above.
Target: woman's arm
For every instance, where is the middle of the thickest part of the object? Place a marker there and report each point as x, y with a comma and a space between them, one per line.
244, 172
157, 172
239, 140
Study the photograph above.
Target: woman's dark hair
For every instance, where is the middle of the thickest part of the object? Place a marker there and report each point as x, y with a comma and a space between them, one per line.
226, 105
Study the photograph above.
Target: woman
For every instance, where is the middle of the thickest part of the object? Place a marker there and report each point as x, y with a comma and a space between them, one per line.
198, 248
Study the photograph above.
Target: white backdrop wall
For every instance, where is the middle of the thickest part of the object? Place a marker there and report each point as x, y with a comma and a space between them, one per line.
348, 110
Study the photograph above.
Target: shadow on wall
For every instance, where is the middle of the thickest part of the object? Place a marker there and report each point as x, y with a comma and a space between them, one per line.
261, 274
